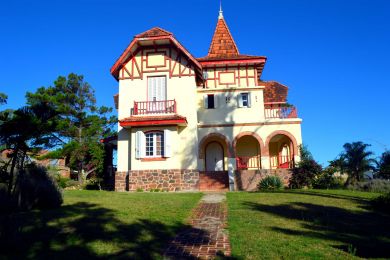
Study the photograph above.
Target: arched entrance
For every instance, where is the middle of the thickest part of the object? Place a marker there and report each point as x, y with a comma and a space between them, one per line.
247, 150
214, 151
214, 157
281, 152
248, 147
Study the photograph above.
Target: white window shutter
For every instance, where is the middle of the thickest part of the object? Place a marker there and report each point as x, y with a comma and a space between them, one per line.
205, 101
239, 100
138, 144
167, 143
215, 101
249, 99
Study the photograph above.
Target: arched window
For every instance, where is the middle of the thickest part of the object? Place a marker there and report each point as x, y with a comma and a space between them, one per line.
154, 146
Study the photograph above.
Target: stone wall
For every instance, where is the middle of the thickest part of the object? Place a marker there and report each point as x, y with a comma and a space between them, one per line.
248, 179
164, 180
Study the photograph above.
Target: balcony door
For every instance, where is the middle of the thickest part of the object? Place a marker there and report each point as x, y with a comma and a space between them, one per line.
157, 94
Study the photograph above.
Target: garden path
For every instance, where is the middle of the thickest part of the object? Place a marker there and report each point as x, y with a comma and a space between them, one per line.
207, 236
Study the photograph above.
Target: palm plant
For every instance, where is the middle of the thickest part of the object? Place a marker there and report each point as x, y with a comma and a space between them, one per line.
384, 165
356, 160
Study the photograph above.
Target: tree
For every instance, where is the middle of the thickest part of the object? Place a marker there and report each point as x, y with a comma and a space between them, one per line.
356, 160
384, 165
21, 131
304, 174
80, 122
3, 98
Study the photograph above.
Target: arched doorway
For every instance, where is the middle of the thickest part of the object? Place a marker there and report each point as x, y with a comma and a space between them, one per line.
281, 152
247, 149
214, 156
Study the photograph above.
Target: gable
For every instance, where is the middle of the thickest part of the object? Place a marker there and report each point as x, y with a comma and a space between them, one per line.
155, 50
147, 60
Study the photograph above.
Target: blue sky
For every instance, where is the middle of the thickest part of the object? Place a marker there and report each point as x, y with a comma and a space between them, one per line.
334, 55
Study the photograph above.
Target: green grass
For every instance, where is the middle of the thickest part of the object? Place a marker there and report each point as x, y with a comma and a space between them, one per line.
94, 224
307, 224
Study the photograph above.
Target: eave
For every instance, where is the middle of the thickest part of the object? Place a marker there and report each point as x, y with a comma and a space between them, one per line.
152, 121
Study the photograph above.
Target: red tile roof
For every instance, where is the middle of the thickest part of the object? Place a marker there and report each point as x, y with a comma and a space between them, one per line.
154, 32
222, 45
274, 92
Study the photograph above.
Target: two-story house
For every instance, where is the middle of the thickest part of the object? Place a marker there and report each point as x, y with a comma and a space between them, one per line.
189, 123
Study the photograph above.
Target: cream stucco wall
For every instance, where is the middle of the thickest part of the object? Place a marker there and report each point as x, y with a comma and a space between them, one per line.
227, 110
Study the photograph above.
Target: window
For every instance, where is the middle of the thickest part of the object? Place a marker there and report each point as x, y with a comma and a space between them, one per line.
154, 144
244, 100
210, 101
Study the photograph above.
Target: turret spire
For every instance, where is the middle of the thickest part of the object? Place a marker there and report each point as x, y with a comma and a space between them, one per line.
220, 16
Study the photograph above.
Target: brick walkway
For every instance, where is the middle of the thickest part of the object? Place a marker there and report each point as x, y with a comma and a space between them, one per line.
207, 237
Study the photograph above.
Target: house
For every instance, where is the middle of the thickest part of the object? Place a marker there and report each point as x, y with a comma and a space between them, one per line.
189, 123
55, 165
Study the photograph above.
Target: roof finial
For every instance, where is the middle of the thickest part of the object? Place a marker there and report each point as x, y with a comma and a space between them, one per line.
220, 16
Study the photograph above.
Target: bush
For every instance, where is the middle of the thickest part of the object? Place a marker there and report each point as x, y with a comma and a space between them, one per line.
37, 189
375, 185
72, 183
93, 183
327, 180
382, 202
304, 174
270, 183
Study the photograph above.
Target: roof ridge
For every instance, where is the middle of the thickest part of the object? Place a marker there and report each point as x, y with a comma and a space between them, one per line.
153, 32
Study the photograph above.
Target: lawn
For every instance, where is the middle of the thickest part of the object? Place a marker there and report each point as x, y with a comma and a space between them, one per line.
93, 224
307, 225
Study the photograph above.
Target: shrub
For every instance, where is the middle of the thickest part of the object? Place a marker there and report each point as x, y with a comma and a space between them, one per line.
270, 183
304, 174
93, 183
72, 183
382, 202
375, 185
37, 189
327, 179
61, 181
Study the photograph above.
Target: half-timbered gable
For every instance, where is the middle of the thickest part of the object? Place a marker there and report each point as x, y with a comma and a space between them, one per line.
155, 51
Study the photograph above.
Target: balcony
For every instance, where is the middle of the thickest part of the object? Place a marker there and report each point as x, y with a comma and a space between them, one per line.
280, 111
153, 113
154, 107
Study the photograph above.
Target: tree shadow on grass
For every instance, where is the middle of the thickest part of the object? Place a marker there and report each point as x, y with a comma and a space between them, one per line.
83, 230
324, 195
366, 231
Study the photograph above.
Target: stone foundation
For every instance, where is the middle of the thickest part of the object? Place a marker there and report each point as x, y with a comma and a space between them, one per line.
248, 179
164, 180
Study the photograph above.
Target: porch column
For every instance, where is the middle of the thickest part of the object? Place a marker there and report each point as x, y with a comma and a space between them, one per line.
231, 168
265, 162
